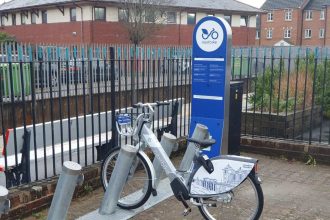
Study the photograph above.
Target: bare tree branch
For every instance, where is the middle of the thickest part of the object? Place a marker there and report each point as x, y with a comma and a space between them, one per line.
142, 17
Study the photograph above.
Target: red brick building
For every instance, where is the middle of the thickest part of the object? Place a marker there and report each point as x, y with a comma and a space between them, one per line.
82, 21
296, 22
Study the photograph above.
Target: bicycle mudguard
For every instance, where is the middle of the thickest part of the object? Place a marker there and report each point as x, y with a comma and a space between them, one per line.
229, 172
153, 174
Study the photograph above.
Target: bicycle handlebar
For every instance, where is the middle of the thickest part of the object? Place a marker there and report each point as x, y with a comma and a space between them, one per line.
142, 105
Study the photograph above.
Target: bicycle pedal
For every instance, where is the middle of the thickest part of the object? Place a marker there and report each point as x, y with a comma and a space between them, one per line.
186, 211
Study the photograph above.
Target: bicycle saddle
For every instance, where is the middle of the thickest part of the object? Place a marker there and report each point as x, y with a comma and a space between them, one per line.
202, 143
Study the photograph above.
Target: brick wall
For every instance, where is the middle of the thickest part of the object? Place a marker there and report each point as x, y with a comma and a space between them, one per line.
278, 25
113, 32
315, 25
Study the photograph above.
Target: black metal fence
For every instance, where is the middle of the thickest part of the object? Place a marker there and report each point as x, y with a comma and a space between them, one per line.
286, 94
57, 102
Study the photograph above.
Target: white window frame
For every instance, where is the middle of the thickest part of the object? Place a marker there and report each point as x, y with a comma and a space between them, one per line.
309, 15
269, 33
321, 33
287, 33
322, 14
169, 21
257, 35
270, 16
308, 33
288, 15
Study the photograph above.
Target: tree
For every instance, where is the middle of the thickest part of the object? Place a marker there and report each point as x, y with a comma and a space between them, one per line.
6, 38
142, 17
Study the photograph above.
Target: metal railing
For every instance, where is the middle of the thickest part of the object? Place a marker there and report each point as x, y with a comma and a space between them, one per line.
56, 102
286, 92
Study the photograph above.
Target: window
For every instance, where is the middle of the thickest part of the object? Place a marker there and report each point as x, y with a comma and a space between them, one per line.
228, 19
258, 35
3, 20
243, 21
321, 34
171, 17
122, 14
13, 19
269, 33
99, 13
308, 33
23, 19
73, 14
288, 15
322, 13
33, 18
270, 16
44, 17
287, 33
191, 19
309, 15
150, 16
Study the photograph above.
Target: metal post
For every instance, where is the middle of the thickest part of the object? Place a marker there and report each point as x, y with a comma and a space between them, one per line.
70, 177
4, 202
168, 142
117, 181
200, 133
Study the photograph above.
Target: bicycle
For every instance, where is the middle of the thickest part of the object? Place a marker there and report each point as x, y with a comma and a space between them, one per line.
225, 186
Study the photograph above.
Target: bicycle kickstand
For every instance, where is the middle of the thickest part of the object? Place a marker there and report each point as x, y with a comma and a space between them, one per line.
187, 209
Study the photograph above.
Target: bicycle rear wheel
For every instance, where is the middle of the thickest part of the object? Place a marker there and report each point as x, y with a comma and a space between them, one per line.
246, 203
138, 186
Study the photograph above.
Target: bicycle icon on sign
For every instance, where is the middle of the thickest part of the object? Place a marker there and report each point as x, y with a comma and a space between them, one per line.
213, 34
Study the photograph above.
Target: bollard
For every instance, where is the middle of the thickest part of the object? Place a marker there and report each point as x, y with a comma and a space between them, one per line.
168, 143
4, 202
70, 177
117, 181
201, 132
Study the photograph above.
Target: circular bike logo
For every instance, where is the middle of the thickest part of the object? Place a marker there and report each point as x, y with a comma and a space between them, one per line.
209, 36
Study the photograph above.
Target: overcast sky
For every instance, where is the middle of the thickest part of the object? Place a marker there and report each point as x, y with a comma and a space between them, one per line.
255, 3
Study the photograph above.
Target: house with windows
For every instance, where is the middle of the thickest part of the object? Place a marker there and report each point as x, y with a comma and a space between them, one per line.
82, 21
296, 22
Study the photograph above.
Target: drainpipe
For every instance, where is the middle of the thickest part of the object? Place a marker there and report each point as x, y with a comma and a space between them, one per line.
325, 25
180, 29
81, 22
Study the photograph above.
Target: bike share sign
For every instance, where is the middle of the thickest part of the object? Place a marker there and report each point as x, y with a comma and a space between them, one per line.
211, 79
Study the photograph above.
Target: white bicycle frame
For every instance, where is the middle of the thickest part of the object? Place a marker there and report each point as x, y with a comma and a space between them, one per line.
142, 129
150, 139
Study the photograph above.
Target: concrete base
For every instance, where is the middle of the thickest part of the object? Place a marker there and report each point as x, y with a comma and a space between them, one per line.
164, 191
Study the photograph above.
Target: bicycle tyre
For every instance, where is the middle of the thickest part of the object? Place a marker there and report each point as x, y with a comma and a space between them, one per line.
123, 202
205, 210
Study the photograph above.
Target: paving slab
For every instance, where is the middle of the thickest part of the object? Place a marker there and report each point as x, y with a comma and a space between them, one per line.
292, 190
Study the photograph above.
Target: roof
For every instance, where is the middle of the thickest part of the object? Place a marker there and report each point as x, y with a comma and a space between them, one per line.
317, 4
280, 4
223, 5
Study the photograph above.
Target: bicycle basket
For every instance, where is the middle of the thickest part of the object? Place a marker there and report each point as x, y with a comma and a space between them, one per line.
124, 122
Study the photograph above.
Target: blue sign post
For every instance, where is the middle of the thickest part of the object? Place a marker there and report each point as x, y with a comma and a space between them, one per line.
212, 39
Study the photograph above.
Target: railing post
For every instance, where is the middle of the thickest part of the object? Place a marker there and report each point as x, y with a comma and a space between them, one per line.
70, 177
117, 181
168, 143
200, 133
4, 202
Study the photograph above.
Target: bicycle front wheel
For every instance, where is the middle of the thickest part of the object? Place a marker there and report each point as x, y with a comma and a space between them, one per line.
244, 202
138, 186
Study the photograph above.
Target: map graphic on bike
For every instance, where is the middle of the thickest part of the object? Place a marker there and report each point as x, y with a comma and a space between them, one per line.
210, 79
